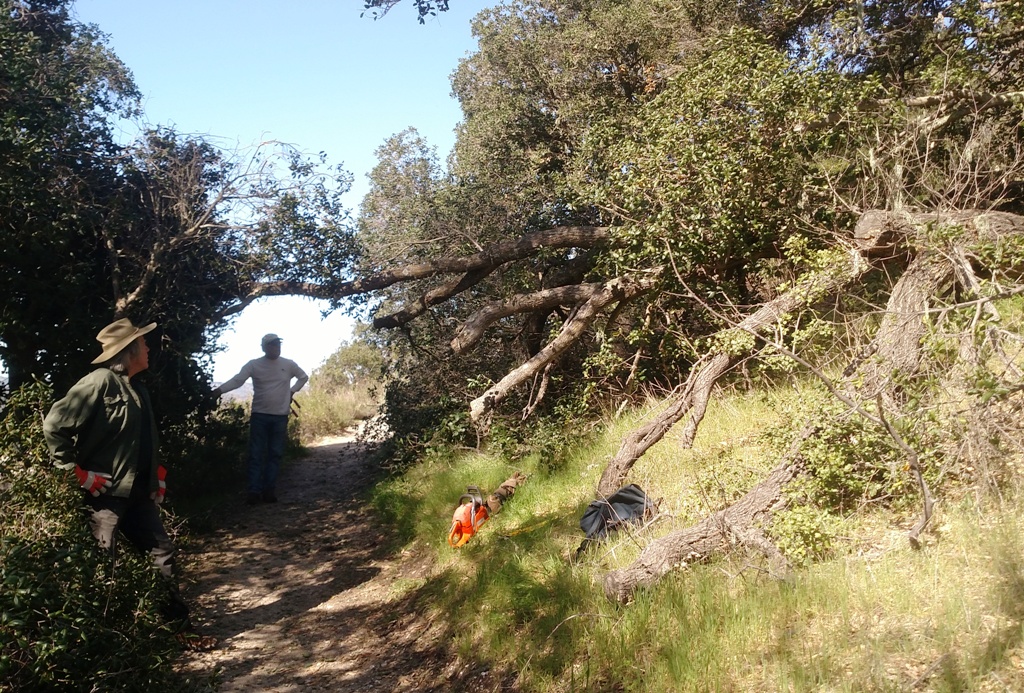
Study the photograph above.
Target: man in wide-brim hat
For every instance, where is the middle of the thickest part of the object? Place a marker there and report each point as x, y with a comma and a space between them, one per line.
104, 430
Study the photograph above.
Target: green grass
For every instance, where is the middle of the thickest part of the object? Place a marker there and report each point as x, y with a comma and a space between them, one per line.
878, 616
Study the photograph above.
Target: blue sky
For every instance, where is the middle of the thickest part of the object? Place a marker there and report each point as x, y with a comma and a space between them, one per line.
311, 73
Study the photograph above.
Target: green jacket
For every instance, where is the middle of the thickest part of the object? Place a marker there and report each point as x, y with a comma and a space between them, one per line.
98, 426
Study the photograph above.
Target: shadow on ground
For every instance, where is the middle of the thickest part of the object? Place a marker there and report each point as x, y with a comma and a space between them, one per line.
299, 591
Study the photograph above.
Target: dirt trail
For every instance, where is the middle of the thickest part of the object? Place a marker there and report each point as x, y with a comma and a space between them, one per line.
299, 591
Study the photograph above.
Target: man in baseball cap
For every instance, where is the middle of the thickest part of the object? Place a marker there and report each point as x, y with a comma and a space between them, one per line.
272, 391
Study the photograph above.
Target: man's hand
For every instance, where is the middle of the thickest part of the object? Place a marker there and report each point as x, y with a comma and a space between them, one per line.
93, 482
161, 478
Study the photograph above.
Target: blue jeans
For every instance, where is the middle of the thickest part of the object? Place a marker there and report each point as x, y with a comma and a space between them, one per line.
267, 436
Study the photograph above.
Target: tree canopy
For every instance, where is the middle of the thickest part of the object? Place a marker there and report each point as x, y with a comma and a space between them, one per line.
660, 159
167, 228
630, 179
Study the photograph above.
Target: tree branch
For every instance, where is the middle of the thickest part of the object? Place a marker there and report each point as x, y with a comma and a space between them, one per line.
436, 295
472, 266
493, 256
472, 330
619, 289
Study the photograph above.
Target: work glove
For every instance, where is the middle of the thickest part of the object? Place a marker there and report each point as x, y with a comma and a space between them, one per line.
161, 491
93, 482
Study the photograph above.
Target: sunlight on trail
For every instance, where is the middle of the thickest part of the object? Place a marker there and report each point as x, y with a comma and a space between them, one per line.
298, 597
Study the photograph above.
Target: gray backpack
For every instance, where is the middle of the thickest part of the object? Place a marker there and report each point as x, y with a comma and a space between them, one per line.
627, 505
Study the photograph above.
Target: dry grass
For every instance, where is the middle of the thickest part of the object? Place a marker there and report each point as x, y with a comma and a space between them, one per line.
322, 414
878, 616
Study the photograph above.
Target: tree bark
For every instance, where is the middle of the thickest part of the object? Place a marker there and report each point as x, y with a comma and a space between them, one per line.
492, 256
693, 398
901, 332
897, 345
879, 230
615, 290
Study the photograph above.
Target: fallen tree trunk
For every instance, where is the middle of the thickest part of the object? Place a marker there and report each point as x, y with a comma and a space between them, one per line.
736, 524
902, 329
693, 397
896, 348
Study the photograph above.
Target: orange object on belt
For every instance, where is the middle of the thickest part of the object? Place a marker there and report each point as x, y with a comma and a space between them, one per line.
466, 521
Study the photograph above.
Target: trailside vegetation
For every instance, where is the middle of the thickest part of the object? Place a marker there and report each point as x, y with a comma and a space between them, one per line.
647, 201
342, 392
678, 198
859, 610
71, 619
632, 179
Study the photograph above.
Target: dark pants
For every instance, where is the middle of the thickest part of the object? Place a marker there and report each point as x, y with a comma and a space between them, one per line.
139, 521
267, 436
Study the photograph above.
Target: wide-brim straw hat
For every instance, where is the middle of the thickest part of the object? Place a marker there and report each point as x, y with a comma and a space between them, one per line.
117, 335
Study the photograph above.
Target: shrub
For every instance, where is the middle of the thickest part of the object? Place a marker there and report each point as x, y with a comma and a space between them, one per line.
70, 618
804, 533
204, 455
848, 459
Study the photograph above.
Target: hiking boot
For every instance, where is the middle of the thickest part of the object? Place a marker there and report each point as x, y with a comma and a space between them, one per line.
253, 499
269, 497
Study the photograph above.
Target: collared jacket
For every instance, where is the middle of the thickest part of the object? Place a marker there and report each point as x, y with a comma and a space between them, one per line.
98, 426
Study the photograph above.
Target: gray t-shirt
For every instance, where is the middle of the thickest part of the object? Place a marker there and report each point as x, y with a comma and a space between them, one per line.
272, 387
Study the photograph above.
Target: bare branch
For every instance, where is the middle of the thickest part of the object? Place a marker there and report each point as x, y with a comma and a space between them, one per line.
491, 257
915, 467
475, 267
436, 295
951, 104
620, 289
472, 330
267, 289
